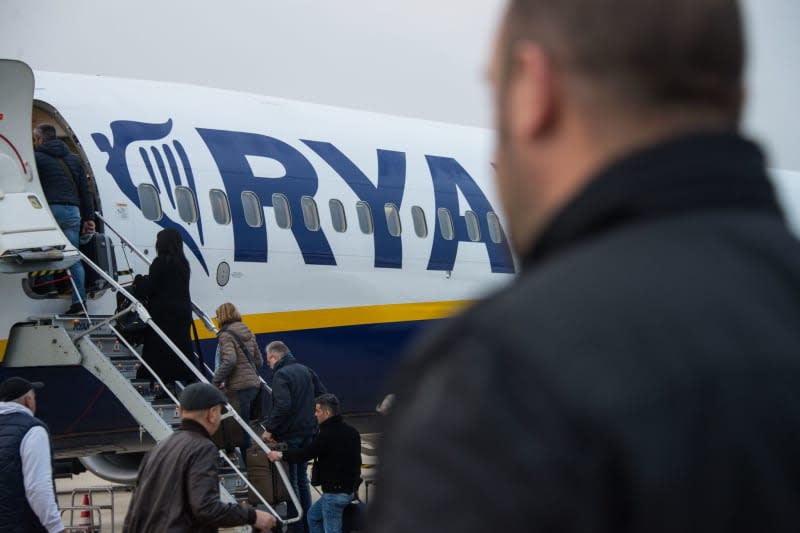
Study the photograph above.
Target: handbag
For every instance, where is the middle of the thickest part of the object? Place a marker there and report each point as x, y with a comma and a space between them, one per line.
257, 406
129, 325
230, 433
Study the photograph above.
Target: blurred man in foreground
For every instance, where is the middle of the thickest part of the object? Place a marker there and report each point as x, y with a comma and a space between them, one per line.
642, 373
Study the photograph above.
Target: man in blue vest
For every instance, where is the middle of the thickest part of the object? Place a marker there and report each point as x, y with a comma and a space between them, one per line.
27, 495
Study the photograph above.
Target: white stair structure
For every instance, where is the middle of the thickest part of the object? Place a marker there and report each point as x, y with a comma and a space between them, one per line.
114, 361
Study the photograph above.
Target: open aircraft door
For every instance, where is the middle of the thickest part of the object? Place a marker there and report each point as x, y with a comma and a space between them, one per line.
30, 238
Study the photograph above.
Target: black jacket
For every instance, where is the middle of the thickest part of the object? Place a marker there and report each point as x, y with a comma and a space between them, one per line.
294, 388
641, 374
178, 488
337, 448
59, 186
166, 289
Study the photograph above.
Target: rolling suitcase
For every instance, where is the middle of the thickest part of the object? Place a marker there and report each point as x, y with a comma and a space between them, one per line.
100, 251
265, 477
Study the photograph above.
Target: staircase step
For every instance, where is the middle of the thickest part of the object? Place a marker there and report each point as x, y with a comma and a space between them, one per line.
233, 483
168, 412
144, 387
127, 367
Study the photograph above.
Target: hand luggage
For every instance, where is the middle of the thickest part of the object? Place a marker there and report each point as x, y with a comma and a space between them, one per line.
230, 433
265, 477
130, 326
100, 251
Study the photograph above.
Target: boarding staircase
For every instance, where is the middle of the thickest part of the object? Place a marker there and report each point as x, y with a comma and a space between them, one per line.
114, 361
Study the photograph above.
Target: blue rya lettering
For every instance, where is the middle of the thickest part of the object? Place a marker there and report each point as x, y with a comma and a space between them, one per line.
389, 190
230, 150
449, 177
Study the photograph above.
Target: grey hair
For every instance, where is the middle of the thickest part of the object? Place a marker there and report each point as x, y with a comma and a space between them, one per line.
278, 348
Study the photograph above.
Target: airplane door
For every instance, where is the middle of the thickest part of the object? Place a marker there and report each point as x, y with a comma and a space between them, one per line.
30, 238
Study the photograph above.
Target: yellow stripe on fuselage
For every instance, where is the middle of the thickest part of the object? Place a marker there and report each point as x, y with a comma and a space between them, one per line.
332, 318
345, 316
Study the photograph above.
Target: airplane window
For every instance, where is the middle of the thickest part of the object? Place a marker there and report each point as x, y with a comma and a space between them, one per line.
473, 229
420, 224
495, 230
187, 207
283, 215
219, 206
445, 223
364, 217
310, 213
337, 215
253, 213
148, 199
392, 219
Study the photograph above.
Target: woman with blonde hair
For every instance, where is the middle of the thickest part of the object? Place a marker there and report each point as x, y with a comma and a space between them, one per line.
239, 361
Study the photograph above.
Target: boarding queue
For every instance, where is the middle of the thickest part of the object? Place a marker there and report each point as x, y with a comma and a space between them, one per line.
178, 485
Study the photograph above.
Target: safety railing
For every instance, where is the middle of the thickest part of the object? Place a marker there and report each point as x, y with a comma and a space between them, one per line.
144, 315
207, 322
196, 309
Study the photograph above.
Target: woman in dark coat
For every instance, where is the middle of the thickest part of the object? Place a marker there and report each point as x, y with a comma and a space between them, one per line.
166, 288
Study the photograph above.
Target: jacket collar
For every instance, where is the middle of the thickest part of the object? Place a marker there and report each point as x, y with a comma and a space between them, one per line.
696, 171
286, 360
332, 420
194, 427
53, 147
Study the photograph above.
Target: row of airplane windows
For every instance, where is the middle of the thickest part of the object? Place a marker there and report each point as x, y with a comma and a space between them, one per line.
186, 203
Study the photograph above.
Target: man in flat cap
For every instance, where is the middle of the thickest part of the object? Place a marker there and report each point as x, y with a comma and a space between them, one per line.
27, 495
178, 485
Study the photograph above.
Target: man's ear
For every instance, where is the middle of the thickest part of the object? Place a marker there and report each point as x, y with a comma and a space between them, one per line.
531, 104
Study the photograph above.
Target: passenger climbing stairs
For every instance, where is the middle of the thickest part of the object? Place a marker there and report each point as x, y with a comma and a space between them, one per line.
115, 363
105, 353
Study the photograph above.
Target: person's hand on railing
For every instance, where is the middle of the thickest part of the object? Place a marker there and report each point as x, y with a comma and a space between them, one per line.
275, 456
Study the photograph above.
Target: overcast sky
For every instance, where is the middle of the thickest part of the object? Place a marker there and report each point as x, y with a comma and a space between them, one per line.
419, 58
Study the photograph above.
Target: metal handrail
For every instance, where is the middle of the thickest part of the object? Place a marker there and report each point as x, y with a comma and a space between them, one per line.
207, 322
144, 315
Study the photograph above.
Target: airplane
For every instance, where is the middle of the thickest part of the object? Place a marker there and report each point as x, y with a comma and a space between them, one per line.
341, 232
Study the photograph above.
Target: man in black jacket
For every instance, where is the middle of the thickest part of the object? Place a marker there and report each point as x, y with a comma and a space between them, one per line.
178, 487
291, 419
642, 373
337, 448
67, 191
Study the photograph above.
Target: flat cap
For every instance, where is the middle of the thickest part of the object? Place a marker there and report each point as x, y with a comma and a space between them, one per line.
199, 396
13, 388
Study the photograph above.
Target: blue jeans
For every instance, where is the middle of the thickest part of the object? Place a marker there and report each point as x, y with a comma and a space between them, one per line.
69, 220
298, 476
246, 397
325, 516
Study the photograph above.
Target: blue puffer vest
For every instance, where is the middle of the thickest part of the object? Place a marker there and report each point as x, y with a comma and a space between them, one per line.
16, 515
